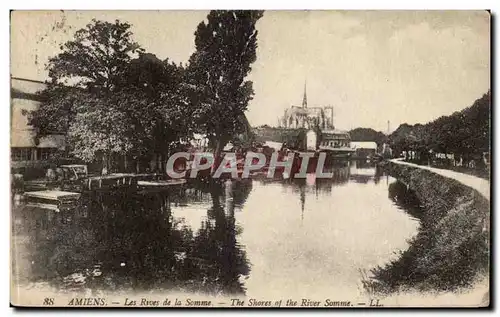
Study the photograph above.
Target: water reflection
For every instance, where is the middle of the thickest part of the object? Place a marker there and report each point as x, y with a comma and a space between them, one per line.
436, 259
307, 236
221, 261
365, 171
406, 199
134, 242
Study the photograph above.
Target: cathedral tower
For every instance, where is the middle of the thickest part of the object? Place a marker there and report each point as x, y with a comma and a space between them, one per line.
304, 100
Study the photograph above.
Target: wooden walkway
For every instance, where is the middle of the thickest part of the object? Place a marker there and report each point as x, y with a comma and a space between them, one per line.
52, 200
479, 184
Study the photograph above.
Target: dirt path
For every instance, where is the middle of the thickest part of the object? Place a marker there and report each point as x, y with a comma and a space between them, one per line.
477, 183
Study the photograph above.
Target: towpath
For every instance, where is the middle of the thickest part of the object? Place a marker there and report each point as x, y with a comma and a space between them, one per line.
477, 183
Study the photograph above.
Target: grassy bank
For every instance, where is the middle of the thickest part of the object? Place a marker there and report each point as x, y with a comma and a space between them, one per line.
451, 249
480, 171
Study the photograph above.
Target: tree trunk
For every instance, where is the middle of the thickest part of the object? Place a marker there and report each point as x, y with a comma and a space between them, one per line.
125, 163
157, 157
215, 195
105, 164
217, 152
162, 162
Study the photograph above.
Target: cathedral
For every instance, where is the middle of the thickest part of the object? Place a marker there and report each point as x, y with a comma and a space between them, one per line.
307, 117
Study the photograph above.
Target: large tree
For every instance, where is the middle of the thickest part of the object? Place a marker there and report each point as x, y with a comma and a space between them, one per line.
97, 58
109, 97
160, 113
465, 132
219, 92
101, 129
58, 108
84, 81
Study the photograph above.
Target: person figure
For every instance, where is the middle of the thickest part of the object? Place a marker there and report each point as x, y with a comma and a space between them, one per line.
51, 174
17, 187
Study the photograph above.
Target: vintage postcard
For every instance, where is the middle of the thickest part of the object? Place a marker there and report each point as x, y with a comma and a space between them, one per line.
250, 159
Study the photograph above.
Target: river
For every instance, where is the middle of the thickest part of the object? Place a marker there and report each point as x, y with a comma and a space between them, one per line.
259, 238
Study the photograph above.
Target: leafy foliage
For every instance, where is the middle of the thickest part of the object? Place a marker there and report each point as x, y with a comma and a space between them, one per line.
225, 49
97, 57
100, 129
465, 132
57, 110
155, 103
367, 134
110, 97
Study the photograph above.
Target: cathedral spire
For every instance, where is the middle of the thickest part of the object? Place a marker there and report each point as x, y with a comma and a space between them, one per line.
304, 100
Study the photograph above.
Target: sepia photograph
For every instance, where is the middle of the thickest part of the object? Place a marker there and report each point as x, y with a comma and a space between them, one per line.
250, 158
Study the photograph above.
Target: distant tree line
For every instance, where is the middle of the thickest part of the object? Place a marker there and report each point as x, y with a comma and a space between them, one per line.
367, 134
465, 133
112, 99
294, 138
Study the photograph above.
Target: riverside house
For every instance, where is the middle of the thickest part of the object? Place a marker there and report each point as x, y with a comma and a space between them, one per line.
26, 151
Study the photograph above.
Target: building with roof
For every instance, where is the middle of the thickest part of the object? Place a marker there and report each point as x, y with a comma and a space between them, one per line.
364, 148
26, 149
335, 139
306, 117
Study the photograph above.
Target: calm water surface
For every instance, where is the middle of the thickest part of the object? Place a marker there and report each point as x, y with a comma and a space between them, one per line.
304, 237
313, 236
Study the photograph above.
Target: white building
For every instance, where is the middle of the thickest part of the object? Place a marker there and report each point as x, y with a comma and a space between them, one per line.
364, 148
25, 149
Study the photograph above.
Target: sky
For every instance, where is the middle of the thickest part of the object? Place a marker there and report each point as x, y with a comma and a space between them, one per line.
371, 66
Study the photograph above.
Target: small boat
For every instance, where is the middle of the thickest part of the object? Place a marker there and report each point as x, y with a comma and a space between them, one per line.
74, 171
52, 200
337, 152
161, 183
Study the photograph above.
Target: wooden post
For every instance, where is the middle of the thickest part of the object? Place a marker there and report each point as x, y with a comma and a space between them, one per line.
229, 185
162, 163
125, 162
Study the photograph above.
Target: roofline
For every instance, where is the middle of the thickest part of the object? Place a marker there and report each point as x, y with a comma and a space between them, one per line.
41, 82
335, 131
24, 95
26, 79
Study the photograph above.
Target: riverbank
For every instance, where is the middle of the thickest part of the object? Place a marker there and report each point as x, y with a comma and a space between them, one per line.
481, 185
451, 250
